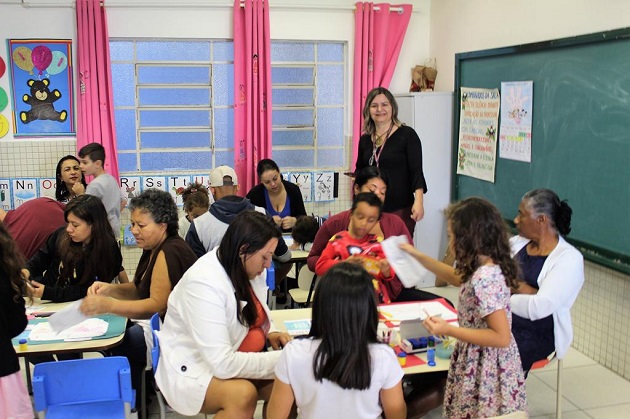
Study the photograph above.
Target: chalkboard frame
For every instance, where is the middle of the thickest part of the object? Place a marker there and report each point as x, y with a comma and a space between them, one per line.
611, 259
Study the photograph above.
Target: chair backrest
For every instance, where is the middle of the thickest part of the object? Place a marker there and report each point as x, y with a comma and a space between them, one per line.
81, 381
305, 278
155, 351
271, 277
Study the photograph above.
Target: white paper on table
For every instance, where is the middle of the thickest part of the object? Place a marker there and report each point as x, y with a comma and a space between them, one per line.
413, 311
85, 330
68, 317
34, 309
406, 267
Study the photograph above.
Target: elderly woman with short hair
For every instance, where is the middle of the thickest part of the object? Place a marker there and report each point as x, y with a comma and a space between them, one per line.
165, 258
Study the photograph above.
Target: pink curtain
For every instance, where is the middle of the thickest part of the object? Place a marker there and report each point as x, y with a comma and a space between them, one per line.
378, 37
95, 112
252, 89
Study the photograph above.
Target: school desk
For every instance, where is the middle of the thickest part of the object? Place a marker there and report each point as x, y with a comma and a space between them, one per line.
113, 337
413, 366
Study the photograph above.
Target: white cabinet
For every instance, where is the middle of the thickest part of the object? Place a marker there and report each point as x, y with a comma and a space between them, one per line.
431, 115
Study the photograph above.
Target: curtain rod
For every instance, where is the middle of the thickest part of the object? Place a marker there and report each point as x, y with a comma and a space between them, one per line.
192, 4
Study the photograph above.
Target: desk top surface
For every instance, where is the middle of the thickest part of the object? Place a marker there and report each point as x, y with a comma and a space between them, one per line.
60, 347
280, 316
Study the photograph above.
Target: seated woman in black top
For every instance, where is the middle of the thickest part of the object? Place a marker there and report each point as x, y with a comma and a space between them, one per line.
75, 256
282, 199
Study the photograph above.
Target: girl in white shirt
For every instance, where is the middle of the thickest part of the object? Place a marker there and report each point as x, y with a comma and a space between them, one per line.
340, 370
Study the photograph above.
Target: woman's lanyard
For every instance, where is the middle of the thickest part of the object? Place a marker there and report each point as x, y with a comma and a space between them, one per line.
376, 153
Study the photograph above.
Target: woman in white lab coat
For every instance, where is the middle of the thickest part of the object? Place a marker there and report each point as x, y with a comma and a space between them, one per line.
218, 323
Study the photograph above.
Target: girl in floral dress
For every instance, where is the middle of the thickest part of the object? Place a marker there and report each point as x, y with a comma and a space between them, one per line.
485, 378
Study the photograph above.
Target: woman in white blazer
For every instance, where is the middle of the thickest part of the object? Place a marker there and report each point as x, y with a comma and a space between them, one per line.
552, 274
212, 340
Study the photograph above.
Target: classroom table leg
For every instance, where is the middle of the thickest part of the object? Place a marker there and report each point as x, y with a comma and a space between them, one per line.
27, 370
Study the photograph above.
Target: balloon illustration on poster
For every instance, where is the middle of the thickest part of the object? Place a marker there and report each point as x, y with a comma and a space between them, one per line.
4, 99
22, 58
3, 67
41, 82
4, 126
41, 57
58, 64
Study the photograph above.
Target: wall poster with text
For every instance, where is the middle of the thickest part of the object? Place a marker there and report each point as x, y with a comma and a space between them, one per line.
41, 83
478, 118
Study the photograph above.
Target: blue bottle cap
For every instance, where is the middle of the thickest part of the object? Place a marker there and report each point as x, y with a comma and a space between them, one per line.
402, 354
22, 341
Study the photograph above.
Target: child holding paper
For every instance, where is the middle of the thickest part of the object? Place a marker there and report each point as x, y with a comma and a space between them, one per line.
485, 378
358, 246
341, 362
14, 400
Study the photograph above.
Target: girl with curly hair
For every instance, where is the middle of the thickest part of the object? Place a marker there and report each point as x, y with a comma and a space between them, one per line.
485, 378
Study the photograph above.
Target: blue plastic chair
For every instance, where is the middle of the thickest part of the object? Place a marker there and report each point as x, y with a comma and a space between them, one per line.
155, 358
84, 388
271, 284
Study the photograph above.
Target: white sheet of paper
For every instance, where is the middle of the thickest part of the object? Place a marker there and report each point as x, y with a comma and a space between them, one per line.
68, 317
411, 311
407, 268
85, 330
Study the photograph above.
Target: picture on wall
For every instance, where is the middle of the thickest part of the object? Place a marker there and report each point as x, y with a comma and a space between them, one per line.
41, 84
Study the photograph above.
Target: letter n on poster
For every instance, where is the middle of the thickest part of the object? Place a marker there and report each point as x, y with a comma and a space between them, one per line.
478, 118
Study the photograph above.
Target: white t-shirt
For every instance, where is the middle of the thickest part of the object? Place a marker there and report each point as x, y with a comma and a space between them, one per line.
326, 399
105, 187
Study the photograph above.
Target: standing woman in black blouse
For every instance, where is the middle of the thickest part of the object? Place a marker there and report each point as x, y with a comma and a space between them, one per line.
14, 400
396, 150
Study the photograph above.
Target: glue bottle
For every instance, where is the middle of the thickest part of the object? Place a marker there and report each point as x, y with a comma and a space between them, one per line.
23, 345
431, 357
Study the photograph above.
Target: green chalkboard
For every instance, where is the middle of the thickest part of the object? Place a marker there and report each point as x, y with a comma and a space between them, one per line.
580, 135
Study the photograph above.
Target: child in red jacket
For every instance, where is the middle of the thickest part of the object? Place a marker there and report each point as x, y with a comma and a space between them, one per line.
357, 245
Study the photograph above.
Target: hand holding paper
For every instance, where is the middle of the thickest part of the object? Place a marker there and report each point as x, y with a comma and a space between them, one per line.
408, 269
67, 317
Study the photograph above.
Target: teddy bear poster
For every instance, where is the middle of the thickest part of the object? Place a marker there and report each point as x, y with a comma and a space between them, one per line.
41, 84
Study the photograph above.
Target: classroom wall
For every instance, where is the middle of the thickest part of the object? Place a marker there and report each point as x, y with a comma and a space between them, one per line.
600, 314
192, 19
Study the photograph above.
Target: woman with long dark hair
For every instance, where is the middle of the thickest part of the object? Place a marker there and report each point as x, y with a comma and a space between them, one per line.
341, 363
14, 400
68, 173
75, 256
212, 341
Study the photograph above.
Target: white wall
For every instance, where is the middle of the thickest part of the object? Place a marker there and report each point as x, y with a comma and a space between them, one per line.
289, 20
461, 26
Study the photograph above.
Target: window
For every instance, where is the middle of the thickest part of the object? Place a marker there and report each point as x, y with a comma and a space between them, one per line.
174, 105
308, 99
